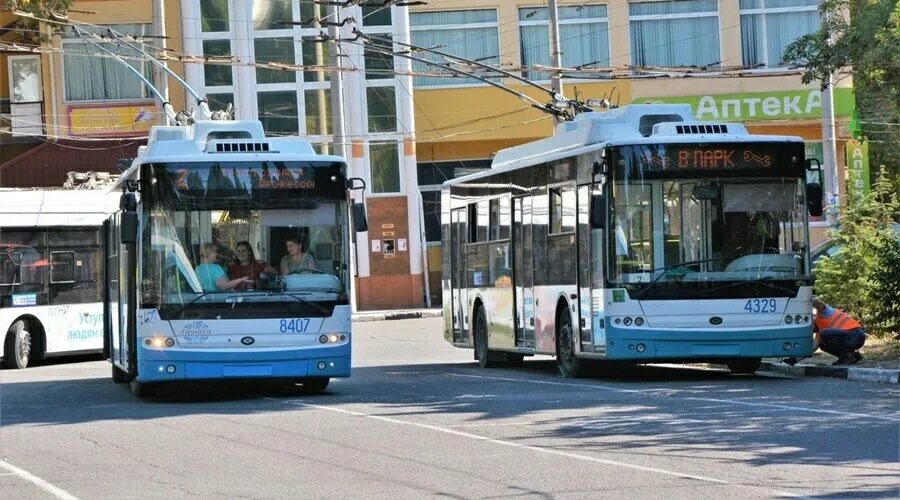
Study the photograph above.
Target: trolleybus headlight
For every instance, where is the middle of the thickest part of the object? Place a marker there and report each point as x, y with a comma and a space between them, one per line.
169, 343
788, 319
148, 341
627, 321
641, 348
786, 346
323, 339
157, 342
170, 369
333, 338
618, 321
321, 365
798, 319
806, 319
639, 321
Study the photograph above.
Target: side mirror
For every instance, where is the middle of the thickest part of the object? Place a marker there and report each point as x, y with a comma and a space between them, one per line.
814, 199
358, 212
128, 225
598, 211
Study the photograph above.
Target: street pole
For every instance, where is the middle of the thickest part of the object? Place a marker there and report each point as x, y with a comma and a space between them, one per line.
555, 54
161, 79
337, 129
829, 154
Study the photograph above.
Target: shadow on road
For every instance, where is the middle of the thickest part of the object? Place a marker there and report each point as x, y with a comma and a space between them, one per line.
652, 410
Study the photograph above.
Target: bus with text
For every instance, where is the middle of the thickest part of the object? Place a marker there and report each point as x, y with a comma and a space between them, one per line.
635, 235
50, 273
228, 259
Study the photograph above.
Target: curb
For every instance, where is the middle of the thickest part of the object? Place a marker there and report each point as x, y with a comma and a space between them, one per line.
390, 316
877, 375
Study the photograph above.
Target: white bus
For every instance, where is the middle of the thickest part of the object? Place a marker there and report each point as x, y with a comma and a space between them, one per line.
635, 235
50, 273
230, 259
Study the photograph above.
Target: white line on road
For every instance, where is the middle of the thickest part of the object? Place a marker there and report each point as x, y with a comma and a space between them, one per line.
539, 449
709, 400
56, 491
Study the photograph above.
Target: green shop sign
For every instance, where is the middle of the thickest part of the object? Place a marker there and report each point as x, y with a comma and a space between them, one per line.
755, 106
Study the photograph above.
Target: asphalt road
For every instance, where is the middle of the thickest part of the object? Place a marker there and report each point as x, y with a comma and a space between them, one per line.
418, 418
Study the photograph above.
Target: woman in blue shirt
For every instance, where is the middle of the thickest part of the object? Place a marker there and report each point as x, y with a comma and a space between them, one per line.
211, 275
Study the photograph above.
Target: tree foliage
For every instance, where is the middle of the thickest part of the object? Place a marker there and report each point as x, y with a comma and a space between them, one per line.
863, 278
28, 29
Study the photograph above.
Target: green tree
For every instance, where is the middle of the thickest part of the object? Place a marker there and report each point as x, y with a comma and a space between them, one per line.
28, 29
863, 35
864, 277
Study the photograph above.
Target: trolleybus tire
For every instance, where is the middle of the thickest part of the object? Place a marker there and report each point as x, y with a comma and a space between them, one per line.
486, 357
745, 366
17, 347
567, 363
141, 390
118, 376
314, 384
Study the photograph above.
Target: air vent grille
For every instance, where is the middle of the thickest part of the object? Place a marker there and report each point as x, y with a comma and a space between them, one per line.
242, 147
701, 129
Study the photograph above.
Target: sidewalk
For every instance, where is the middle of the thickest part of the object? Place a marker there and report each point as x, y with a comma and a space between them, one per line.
862, 374
434, 312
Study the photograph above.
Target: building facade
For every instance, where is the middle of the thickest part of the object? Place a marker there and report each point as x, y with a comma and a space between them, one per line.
460, 124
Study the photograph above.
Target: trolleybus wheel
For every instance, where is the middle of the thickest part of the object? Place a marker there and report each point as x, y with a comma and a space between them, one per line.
567, 364
140, 390
746, 366
17, 349
315, 384
118, 376
486, 358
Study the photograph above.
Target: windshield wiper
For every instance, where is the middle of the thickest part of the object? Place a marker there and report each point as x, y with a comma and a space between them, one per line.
666, 269
189, 304
310, 303
766, 280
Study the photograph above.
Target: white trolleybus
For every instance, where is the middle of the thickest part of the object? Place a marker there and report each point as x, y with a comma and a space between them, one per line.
229, 259
51, 273
636, 235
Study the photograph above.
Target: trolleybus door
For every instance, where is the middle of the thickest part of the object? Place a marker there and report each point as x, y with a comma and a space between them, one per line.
586, 343
458, 281
523, 271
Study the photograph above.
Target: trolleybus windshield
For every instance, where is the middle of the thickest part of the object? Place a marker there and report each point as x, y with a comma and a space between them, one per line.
245, 239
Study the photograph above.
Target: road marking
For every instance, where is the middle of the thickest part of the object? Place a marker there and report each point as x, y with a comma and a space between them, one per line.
56, 491
709, 400
538, 449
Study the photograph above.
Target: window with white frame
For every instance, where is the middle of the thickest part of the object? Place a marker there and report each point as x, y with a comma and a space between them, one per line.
472, 34
384, 161
768, 26
674, 33
583, 37
90, 74
214, 16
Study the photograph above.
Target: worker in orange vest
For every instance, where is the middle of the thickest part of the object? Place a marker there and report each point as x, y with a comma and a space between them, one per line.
836, 333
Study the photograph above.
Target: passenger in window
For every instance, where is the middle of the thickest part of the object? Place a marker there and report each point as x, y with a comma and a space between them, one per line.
298, 259
246, 265
211, 275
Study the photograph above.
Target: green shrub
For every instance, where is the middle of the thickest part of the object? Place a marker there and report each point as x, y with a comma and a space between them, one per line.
864, 277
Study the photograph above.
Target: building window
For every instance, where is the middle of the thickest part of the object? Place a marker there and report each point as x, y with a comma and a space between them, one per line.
473, 34
217, 75
272, 14
213, 15
376, 16
316, 54
317, 109
276, 50
92, 78
384, 160
278, 112
381, 103
674, 33
220, 102
583, 35
768, 26
379, 66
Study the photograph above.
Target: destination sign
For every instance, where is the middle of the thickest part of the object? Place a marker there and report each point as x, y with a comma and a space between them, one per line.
675, 157
243, 178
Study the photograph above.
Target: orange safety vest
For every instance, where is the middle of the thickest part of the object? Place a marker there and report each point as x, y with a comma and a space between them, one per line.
838, 320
